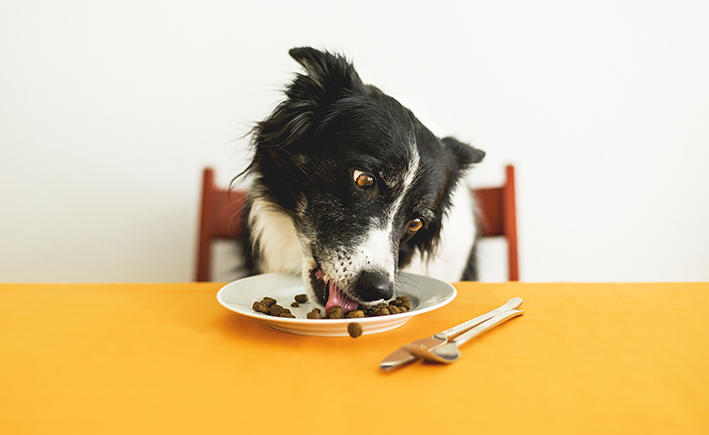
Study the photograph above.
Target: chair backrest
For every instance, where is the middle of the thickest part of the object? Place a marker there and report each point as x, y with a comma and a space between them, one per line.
497, 216
221, 218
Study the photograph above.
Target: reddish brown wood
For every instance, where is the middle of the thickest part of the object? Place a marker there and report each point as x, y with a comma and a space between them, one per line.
497, 216
510, 219
490, 211
221, 218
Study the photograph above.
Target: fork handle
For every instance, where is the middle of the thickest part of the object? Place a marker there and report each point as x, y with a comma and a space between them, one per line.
488, 324
457, 330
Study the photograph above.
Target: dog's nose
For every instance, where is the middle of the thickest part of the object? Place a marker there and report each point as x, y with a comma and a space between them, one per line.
374, 285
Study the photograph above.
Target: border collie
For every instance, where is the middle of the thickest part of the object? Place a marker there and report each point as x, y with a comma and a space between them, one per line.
349, 188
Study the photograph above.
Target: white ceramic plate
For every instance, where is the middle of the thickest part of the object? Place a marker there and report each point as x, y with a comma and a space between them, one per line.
425, 294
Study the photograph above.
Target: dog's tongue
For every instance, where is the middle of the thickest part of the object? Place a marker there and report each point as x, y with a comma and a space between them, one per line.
337, 299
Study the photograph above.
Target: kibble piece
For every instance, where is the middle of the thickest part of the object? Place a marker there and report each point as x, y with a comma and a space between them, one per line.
335, 313
294, 304
354, 329
354, 314
276, 310
315, 314
402, 301
393, 309
273, 310
382, 312
301, 299
267, 301
260, 307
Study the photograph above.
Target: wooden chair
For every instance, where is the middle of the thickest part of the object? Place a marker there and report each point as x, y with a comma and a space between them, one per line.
497, 216
221, 218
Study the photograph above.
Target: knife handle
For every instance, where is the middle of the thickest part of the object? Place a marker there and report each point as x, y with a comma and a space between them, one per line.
459, 329
489, 324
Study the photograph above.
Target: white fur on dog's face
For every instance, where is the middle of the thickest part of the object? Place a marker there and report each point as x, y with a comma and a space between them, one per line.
293, 248
376, 249
379, 249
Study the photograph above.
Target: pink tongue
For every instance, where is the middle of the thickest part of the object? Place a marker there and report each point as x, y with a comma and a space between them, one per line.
337, 299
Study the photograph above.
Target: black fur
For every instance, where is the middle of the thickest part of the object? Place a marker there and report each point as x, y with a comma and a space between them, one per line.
329, 125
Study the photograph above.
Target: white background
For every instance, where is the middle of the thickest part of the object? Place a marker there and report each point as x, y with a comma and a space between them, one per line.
110, 110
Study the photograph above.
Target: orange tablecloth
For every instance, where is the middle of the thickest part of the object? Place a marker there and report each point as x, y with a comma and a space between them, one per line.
167, 358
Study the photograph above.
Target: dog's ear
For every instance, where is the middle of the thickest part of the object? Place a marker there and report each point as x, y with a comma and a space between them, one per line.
328, 78
282, 138
464, 154
329, 75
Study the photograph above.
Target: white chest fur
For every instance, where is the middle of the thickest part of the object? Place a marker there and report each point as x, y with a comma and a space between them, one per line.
277, 239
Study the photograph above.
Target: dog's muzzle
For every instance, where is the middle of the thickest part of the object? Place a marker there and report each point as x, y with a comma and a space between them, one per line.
370, 286
373, 286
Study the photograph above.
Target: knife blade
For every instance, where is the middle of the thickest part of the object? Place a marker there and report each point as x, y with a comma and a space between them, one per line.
401, 357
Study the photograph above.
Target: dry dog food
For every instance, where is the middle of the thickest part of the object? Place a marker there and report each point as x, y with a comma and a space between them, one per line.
354, 329
335, 313
270, 306
314, 314
299, 299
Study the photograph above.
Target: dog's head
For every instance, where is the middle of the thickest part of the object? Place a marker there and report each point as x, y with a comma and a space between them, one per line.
366, 184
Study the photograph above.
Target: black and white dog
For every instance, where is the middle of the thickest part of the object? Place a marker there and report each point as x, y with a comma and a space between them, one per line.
349, 188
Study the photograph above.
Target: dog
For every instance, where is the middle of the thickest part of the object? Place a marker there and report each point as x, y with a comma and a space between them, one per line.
348, 188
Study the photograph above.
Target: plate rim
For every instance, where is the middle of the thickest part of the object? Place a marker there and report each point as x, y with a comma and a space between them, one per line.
334, 322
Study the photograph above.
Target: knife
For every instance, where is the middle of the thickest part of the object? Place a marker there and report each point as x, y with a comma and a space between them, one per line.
402, 356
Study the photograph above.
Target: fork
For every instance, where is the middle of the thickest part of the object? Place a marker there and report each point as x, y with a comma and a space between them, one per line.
449, 352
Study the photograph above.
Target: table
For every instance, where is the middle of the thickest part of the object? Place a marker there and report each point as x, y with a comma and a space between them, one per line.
167, 358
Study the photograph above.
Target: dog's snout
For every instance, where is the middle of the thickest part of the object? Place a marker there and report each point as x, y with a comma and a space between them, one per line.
372, 286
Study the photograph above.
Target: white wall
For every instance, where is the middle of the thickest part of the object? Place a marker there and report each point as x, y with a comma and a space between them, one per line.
109, 111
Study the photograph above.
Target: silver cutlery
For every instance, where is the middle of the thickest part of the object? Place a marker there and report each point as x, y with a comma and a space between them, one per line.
449, 352
403, 355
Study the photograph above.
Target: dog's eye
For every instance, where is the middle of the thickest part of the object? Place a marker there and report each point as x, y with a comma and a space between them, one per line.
364, 181
415, 225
